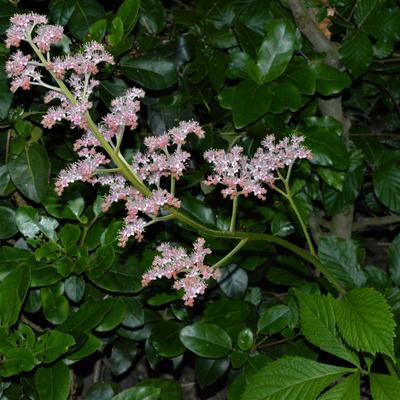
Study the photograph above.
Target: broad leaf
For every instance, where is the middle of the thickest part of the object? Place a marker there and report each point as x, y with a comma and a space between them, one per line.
387, 185
340, 257
165, 339
365, 321
273, 320
60, 11
206, 340
53, 383
384, 387
349, 389
329, 80
8, 227
318, 324
291, 378
139, 393
30, 172
394, 260
51, 345
14, 361
128, 12
209, 370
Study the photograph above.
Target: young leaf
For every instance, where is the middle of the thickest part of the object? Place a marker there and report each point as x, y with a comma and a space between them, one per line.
349, 389
291, 378
128, 12
365, 321
318, 325
384, 387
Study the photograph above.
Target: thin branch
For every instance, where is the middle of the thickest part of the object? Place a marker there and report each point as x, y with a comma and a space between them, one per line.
375, 221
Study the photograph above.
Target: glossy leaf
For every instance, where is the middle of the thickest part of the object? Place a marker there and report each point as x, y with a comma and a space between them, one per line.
387, 185
8, 227
53, 383
273, 320
166, 340
206, 340
209, 370
30, 172
139, 393
128, 12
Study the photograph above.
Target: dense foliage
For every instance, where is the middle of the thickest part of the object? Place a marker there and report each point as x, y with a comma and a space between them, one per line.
306, 303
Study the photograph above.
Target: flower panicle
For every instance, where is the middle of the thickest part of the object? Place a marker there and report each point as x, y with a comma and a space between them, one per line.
245, 175
188, 270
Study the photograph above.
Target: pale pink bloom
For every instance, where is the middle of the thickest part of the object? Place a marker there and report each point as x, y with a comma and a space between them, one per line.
22, 26
76, 114
82, 170
86, 144
188, 270
17, 63
53, 115
179, 133
154, 143
55, 95
47, 35
243, 175
134, 228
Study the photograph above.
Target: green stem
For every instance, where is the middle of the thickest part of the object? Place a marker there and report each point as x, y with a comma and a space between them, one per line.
223, 261
390, 366
172, 186
131, 176
234, 211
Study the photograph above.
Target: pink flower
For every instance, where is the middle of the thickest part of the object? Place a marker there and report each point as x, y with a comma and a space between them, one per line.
47, 35
134, 228
243, 175
17, 63
22, 26
179, 134
82, 170
188, 270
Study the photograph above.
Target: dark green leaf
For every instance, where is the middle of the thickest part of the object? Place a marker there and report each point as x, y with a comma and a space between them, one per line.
74, 288
134, 315
5, 94
165, 339
85, 14
394, 260
16, 361
8, 227
273, 320
329, 80
152, 16
170, 390
60, 11
30, 172
249, 102
128, 12
340, 257
152, 72
122, 356
209, 370
387, 185
53, 383
206, 340
233, 281
348, 389
55, 306
51, 345
139, 393
100, 391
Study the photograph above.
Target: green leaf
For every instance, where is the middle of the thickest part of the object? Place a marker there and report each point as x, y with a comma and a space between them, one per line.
394, 260
7, 11
273, 320
89, 346
55, 306
357, 53
122, 356
31, 224
152, 72
209, 370
284, 96
6, 185
249, 102
116, 32
128, 12
206, 340
85, 14
152, 16
13, 289
87, 317
364, 9
139, 393
100, 391
329, 80
332, 177
30, 172
15, 361
170, 389
114, 317
291, 378
60, 11
8, 227
277, 49
365, 321
51, 345
386, 180
134, 314
302, 77
6, 95
249, 39
53, 383
74, 288
348, 389
245, 339
340, 257
384, 387
165, 339
110, 89
233, 281
69, 206
318, 325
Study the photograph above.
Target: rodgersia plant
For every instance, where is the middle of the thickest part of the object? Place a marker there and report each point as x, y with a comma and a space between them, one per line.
141, 182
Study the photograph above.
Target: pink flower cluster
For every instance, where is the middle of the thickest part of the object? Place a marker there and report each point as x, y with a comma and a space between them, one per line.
188, 270
245, 175
163, 160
